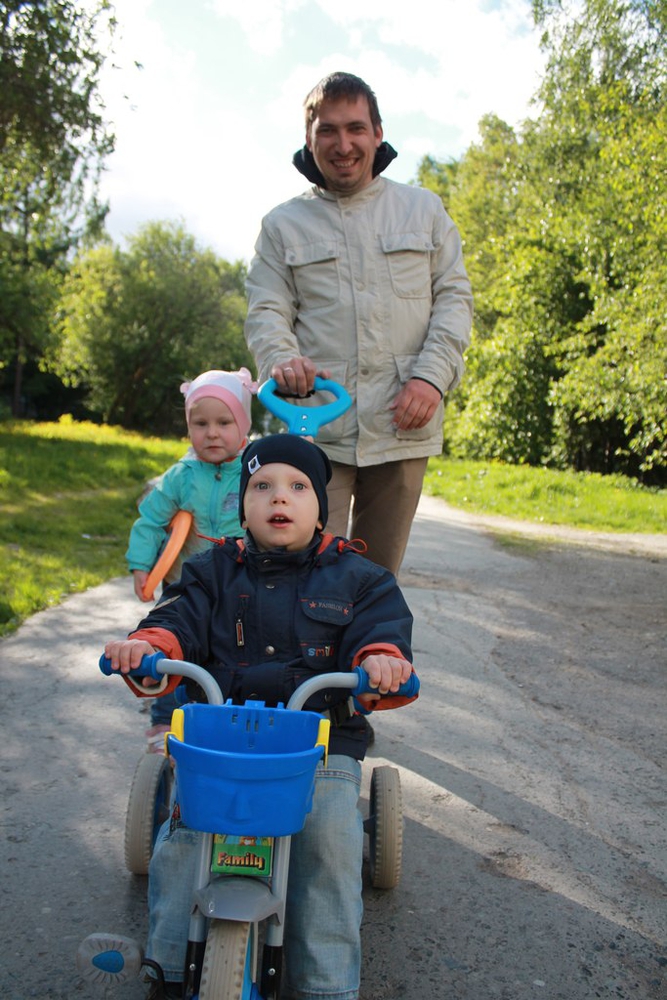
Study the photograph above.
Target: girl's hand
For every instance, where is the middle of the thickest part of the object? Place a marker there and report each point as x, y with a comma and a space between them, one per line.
140, 577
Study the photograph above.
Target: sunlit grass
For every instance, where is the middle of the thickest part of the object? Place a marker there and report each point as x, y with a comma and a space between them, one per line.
68, 497
548, 496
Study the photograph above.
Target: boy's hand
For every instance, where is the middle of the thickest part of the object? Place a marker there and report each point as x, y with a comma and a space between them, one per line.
126, 654
386, 673
140, 577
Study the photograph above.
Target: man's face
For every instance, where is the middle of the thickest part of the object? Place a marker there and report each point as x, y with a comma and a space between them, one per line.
343, 143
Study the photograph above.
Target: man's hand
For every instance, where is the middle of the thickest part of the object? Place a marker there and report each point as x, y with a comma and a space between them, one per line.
415, 405
296, 376
126, 654
386, 673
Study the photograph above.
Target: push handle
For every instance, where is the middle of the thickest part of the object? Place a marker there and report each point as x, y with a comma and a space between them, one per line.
147, 668
306, 420
409, 689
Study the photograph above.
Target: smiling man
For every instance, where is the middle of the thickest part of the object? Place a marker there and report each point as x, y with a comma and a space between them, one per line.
343, 140
362, 280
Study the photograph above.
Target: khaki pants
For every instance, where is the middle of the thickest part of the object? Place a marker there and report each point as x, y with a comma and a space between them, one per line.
385, 500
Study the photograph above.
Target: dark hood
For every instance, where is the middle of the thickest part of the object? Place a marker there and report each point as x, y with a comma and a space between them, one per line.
304, 162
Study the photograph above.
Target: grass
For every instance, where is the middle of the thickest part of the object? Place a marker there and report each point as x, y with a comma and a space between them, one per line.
548, 496
68, 494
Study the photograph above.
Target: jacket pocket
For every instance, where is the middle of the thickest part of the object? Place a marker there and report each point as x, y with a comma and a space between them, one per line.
321, 633
408, 257
316, 274
345, 425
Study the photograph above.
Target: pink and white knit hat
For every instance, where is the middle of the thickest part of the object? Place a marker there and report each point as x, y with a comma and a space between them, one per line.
236, 389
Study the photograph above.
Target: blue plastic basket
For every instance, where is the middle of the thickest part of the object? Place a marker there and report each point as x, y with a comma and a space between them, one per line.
246, 769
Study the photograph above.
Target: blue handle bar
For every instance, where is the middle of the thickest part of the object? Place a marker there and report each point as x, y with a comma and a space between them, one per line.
306, 420
410, 689
147, 668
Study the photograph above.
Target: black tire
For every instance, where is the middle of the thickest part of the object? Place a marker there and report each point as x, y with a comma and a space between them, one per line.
226, 962
147, 809
385, 828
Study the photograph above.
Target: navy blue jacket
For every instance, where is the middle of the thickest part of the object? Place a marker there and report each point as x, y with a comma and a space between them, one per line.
263, 622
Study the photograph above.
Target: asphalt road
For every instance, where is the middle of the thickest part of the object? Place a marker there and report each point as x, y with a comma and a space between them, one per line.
533, 773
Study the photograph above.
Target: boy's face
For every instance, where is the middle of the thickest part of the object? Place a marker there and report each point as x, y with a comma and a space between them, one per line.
281, 507
213, 432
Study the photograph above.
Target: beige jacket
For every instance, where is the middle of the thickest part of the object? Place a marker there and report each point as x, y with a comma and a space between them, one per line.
371, 287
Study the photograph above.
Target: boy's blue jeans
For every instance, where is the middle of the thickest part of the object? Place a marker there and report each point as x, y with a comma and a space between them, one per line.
324, 907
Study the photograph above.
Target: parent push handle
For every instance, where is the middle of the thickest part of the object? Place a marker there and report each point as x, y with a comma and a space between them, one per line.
306, 420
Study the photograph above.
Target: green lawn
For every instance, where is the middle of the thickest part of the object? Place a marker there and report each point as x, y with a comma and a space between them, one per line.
68, 496
547, 496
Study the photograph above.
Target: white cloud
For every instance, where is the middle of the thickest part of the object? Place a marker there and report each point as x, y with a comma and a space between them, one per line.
262, 20
208, 139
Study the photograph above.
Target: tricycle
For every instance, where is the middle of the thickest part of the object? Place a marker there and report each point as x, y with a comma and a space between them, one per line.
233, 764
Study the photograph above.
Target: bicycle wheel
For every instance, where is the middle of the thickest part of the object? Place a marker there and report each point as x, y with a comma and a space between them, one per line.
385, 828
227, 969
147, 809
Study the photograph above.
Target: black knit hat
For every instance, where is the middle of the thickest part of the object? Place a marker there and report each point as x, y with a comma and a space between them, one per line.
289, 449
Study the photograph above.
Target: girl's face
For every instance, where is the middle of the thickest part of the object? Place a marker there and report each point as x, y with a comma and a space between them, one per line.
212, 430
281, 508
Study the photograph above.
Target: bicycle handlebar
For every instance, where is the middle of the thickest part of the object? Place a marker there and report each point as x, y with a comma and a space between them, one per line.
357, 681
305, 420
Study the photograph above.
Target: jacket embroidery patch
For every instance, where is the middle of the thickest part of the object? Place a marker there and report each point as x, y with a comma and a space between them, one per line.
337, 607
319, 651
328, 610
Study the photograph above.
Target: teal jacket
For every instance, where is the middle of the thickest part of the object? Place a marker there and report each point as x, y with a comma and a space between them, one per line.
209, 492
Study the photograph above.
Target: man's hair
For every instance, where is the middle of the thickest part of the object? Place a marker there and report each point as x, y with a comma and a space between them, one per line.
337, 86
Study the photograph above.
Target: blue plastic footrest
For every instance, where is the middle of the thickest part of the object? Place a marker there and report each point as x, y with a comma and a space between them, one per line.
246, 769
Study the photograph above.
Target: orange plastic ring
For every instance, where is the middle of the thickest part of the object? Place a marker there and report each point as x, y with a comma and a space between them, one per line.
179, 529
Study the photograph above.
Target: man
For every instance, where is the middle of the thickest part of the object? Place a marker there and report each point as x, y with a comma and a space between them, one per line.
361, 279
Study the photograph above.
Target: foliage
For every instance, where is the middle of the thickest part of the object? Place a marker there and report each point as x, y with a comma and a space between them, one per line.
565, 233
53, 141
136, 323
68, 496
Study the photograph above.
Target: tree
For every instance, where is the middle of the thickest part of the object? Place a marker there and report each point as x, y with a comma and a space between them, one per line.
565, 233
604, 126
137, 323
53, 141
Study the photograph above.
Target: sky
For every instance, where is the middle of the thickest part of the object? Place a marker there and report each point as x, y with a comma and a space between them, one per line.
206, 97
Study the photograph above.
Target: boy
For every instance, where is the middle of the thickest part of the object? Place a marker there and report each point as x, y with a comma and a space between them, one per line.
262, 615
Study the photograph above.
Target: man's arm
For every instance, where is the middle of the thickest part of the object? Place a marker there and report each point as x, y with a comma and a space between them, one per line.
272, 306
269, 326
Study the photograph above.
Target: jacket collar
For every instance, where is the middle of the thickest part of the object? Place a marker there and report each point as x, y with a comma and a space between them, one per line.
271, 559
304, 162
